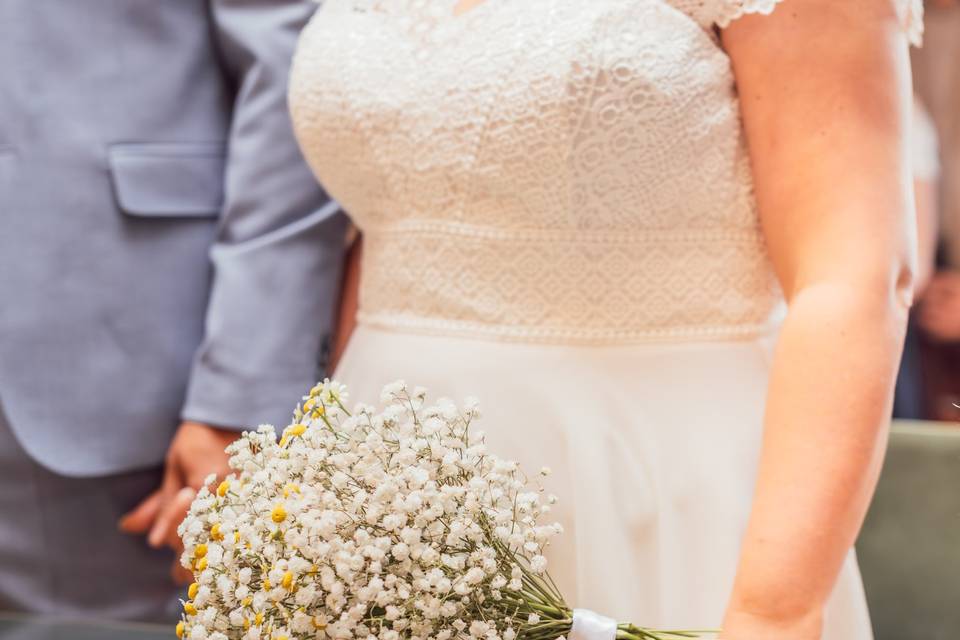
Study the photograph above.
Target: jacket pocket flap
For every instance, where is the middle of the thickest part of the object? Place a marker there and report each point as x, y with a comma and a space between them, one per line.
169, 179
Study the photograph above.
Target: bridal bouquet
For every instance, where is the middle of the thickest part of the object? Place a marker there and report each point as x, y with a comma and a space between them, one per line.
388, 525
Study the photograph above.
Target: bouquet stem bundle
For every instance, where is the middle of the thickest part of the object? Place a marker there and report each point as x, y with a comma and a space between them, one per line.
541, 612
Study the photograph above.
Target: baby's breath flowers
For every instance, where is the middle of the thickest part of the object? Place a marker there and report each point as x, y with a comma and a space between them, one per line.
368, 525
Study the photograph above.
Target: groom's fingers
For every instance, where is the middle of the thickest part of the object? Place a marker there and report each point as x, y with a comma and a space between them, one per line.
172, 483
164, 531
178, 512
180, 575
143, 515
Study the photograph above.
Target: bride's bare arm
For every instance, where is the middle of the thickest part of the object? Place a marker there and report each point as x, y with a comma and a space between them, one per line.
825, 96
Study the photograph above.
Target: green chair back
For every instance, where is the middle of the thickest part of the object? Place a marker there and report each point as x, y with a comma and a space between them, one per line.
909, 549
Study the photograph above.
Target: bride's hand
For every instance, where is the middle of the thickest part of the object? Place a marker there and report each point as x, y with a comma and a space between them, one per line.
747, 625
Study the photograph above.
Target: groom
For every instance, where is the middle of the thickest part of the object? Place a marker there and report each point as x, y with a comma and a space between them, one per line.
168, 275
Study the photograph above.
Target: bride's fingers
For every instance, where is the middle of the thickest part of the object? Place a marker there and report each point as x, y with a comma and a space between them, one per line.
143, 515
164, 530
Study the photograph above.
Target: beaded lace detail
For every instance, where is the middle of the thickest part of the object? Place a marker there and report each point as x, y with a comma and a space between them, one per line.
539, 170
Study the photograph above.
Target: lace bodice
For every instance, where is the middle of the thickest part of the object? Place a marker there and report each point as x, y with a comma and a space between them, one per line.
539, 169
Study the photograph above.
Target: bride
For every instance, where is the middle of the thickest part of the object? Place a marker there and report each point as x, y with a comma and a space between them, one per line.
589, 215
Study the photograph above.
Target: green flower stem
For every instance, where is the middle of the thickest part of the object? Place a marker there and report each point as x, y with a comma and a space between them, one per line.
632, 632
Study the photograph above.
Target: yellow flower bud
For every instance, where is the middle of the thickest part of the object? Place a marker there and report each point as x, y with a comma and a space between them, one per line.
267, 584
189, 609
290, 488
279, 514
297, 429
247, 601
201, 564
180, 627
192, 590
246, 623
200, 551
215, 532
258, 619
287, 580
223, 488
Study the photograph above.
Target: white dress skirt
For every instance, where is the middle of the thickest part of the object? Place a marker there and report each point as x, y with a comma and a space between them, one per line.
652, 448
558, 217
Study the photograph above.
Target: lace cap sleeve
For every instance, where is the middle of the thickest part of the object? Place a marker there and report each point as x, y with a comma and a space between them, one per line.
730, 10
910, 11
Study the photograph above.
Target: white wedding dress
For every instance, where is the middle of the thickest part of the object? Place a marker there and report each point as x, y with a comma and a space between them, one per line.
556, 202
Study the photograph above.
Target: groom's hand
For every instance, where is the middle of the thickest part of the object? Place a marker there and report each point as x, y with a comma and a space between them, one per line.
197, 451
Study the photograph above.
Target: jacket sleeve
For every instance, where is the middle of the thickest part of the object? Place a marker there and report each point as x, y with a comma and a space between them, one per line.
277, 258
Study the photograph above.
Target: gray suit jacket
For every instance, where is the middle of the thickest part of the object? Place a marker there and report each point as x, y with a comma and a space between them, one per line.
138, 140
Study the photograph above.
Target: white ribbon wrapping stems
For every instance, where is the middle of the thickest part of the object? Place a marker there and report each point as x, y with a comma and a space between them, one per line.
588, 625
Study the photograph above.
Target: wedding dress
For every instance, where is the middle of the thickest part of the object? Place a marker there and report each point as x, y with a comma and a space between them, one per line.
558, 218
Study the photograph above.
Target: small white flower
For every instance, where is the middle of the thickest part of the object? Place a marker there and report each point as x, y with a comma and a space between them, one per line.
538, 564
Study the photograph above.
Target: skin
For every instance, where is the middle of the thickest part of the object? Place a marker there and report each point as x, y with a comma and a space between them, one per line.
825, 97
940, 310
195, 452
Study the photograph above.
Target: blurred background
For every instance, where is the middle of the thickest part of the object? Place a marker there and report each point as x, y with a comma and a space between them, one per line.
929, 387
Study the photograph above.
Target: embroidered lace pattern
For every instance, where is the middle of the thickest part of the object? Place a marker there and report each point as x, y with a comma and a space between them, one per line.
539, 170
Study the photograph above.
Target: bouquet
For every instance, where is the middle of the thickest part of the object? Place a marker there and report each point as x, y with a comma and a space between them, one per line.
389, 525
